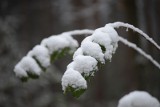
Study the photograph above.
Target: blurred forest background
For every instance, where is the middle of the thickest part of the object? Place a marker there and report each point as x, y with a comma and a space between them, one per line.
24, 23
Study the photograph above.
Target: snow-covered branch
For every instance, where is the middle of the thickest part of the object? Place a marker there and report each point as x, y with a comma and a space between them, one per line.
121, 24
94, 50
79, 32
98, 48
134, 46
51, 48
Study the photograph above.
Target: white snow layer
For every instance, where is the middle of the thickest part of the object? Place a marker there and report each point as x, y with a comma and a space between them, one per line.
85, 58
41, 54
58, 42
73, 44
107, 37
74, 79
55, 43
121, 24
84, 64
80, 32
111, 32
78, 52
27, 64
135, 47
138, 99
92, 49
113, 35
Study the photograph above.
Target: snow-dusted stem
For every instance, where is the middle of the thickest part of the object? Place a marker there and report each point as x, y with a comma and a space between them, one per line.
124, 41
134, 46
79, 32
46, 52
121, 24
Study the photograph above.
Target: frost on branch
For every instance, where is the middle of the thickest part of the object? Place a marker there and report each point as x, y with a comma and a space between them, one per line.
97, 48
138, 99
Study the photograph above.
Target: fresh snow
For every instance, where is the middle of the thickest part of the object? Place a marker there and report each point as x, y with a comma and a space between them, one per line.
121, 24
74, 79
41, 54
80, 32
58, 42
78, 52
102, 38
27, 64
134, 46
113, 35
138, 99
85, 58
84, 64
73, 44
92, 49
111, 32
92, 46
107, 39
55, 43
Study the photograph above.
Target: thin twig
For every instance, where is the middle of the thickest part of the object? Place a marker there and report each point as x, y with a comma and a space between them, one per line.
121, 24
134, 46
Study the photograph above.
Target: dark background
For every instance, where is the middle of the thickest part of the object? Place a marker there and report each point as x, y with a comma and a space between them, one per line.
24, 23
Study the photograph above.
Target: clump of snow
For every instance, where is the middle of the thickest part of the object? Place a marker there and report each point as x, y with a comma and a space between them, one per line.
109, 52
41, 54
73, 44
92, 49
138, 99
27, 64
58, 42
85, 58
78, 52
74, 79
113, 35
112, 32
84, 64
104, 37
55, 43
